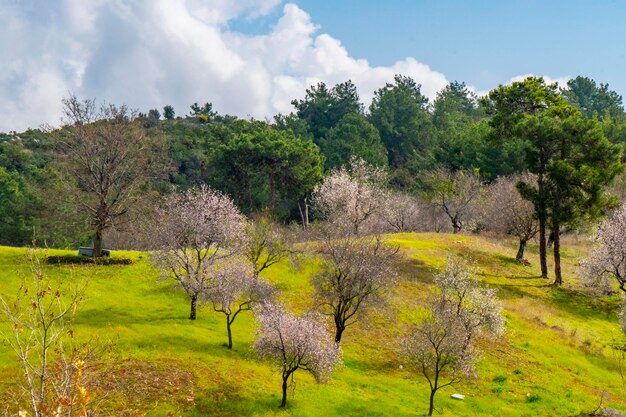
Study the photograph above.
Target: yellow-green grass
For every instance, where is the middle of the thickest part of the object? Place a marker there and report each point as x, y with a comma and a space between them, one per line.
555, 358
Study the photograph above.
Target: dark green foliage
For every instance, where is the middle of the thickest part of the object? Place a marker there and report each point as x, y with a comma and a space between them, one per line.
399, 112
204, 113
86, 260
455, 105
322, 108
594, 100
16, 209
570, 155
353, 136
168, 112
267, 168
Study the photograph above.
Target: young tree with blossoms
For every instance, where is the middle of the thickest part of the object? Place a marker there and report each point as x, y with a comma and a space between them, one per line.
402, 213
352, 198
235, 288
510, 213
607, 262
196, 229
267, 243
456, 194
357, 273
293, 342
441, 348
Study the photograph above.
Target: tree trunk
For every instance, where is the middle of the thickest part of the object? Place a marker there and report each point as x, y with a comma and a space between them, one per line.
456, 226
194, 301
285, 379
301, 216
304, 214
543, 255
339, 333
558, 279
543, 218
97, 241
230, 334
431, 408
520, 252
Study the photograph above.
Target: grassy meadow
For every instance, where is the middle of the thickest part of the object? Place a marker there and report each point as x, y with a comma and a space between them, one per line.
554, 360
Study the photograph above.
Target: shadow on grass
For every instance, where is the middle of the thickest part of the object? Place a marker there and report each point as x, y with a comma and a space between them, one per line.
517, 290
585, 305
416, 270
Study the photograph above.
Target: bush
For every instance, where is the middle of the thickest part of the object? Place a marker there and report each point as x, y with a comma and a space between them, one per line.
76, 259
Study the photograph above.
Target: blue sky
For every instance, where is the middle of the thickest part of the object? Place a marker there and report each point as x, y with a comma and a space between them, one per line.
251, 58
481, 42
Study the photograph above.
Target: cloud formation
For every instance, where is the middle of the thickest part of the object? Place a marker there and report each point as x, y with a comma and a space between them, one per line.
151, 53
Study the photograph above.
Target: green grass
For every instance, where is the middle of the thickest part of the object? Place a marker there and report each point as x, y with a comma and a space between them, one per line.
554, 360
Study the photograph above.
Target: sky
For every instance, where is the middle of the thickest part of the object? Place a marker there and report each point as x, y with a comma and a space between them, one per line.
250, 58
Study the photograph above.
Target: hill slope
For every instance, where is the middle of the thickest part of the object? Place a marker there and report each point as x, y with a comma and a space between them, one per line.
554, 360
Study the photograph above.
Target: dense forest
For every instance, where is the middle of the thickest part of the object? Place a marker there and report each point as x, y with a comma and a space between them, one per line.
274, 166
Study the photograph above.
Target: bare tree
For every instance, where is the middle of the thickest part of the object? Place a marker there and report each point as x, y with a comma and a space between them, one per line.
106, 155
509, 213
357, 272
293, 342
351, 199
441, 348
235, 288
607, 261
455, 193
267, 243
52, 368
195, 230
402, 213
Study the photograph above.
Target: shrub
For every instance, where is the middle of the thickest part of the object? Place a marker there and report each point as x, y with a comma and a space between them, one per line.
76, 259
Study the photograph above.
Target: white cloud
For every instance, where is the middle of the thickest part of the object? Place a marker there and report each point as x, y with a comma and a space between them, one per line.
151, 53
561, 81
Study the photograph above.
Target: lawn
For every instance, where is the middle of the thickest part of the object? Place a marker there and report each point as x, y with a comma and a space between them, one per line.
555, 358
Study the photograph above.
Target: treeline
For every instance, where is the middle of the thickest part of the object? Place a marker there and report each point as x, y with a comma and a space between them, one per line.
274, 166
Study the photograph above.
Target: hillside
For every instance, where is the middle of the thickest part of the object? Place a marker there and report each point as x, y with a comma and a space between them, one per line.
555, 358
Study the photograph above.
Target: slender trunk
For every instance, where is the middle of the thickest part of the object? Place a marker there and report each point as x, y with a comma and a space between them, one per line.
339, 333
456, 226
97, 241
520, 252
431, 408
230, 334
301, 216
285, 386
543, 255
306, 212
550, 239
194, 301
558, 279
542, 215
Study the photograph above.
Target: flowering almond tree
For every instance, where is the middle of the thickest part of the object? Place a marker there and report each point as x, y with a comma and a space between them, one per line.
234, 288
356, 274
509, 213
608, 257
402, 213
293, 342
441, 348
353, 198
196, 229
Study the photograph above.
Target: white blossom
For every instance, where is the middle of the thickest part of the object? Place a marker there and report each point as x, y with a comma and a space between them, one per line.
293, 342
607, 261
195, 230
352, 199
